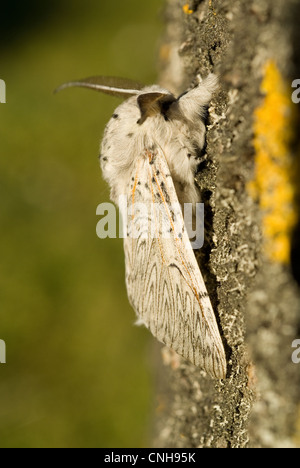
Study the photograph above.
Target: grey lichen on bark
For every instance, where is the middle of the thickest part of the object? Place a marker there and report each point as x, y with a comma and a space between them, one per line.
256, 299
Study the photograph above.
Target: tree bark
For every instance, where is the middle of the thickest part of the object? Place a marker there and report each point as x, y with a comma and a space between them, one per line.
249, 191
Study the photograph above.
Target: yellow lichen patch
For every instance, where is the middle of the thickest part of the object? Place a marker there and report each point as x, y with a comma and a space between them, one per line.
273, 183
187, 10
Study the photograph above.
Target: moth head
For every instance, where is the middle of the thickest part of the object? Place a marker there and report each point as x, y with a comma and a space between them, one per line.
189, 106
153, 100
152, 103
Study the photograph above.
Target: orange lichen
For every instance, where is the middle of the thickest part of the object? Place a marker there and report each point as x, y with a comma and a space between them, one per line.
187, 10
273, 183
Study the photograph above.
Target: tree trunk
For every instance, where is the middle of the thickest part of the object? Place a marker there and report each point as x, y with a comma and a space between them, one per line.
248, 186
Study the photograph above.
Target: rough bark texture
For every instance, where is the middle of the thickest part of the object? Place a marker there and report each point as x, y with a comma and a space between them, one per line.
255, 296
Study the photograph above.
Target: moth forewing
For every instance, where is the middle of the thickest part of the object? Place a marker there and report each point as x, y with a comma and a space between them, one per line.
164, 283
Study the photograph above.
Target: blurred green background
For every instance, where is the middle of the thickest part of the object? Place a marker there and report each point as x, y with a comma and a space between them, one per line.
78, 372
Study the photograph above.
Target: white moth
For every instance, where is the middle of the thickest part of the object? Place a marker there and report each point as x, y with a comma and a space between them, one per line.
149, 154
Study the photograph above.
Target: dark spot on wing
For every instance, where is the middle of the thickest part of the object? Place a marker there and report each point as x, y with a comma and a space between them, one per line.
173, 265
165, 192
202, 295
172, 214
